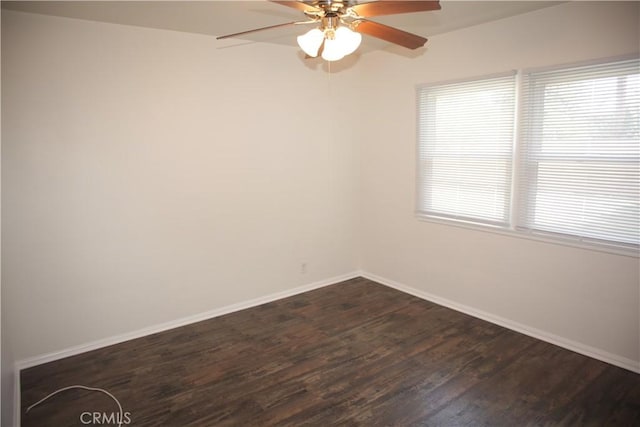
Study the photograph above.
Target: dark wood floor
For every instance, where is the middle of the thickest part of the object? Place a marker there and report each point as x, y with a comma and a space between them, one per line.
355, 353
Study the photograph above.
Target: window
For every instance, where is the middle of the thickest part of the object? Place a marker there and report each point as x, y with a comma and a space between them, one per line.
575, 163
466, 139
581, 151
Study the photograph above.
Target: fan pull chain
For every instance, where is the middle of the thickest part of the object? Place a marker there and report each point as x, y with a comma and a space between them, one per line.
329, 79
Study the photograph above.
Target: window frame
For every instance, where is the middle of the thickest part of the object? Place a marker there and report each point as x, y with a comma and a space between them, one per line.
515, 227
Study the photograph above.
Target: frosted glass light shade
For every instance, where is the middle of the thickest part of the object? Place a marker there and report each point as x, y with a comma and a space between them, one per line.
348, 39
310, 41
333, 50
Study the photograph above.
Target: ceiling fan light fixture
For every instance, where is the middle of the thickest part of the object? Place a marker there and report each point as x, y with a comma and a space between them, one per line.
311, 41
339, 43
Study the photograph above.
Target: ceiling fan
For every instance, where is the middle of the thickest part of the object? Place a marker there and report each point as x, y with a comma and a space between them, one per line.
341, 24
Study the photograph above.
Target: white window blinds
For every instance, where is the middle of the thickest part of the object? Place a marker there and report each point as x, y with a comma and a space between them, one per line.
580, 144
465, 139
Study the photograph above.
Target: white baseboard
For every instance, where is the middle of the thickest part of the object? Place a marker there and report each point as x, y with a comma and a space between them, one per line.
596, 353
105, 342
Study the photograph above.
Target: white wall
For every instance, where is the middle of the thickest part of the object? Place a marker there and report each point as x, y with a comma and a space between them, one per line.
587, 297
149, 175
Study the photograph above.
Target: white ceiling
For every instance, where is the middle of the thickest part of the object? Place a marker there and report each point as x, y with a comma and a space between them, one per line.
224, 17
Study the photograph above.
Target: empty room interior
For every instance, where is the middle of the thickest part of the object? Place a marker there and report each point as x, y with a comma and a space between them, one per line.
370, 213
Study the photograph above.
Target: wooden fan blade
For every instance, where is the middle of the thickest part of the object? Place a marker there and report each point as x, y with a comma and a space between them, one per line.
263, 28
297, 5
390, 34
379, 8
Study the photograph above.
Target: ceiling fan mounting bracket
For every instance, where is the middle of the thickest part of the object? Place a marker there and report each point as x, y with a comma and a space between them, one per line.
328, 6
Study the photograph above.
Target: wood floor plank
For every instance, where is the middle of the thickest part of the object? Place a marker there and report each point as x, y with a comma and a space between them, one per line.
353, 354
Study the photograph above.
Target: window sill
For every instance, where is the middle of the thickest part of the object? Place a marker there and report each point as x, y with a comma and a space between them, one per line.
539, 237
